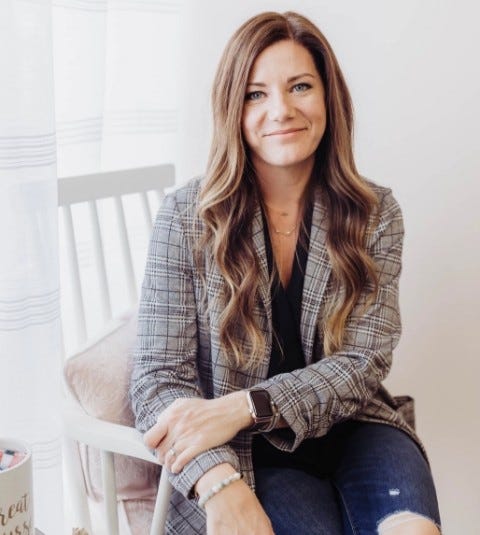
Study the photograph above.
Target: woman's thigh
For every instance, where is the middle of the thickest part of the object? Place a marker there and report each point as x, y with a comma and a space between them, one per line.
298, 503
381, 472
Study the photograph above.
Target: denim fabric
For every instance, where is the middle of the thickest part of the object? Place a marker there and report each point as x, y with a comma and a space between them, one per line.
379, 471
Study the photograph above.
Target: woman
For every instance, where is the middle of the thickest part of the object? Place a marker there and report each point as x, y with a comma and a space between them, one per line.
269, 313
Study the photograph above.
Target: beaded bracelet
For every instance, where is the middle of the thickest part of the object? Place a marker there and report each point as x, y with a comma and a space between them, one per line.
218, 487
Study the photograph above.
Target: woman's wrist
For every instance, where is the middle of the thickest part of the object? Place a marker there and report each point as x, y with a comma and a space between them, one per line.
238, 405
212, 477
218, 487
241, 409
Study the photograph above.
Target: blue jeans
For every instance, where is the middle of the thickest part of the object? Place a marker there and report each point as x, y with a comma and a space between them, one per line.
380, 471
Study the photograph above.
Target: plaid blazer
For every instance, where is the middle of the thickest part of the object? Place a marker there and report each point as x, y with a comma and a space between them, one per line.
178, 351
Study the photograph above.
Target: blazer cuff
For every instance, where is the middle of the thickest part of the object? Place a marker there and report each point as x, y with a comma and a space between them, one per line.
185, 481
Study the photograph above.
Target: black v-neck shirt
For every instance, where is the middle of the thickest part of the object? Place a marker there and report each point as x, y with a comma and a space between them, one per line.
287, 351
317, 455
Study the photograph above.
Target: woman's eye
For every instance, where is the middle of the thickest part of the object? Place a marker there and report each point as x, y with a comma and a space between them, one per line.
253, 95
299, 88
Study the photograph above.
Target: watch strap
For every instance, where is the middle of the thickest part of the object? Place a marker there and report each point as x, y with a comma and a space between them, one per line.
262, 424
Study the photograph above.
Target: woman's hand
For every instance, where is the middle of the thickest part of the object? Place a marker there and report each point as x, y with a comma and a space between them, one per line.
191, 426
235, 510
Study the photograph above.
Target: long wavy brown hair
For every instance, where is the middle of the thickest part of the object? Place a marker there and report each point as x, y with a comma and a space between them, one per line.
229, 192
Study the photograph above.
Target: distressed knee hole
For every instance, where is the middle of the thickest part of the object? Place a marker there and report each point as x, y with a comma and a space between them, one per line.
401, 518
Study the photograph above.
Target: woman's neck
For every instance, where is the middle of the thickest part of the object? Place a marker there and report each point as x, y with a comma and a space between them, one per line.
283, 188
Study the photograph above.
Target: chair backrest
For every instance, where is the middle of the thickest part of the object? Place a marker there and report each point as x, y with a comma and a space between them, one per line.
119, 200
99, 281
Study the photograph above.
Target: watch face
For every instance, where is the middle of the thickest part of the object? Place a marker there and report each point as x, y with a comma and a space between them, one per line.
261, 402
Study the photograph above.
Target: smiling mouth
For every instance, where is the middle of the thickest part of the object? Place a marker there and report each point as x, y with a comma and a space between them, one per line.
284, 132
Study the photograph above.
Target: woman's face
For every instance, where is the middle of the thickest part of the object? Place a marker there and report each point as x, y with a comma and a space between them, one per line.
284, 115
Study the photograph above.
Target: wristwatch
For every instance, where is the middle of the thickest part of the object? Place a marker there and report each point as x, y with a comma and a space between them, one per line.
261, 409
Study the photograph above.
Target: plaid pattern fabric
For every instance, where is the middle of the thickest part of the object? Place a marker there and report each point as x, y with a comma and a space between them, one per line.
178, 351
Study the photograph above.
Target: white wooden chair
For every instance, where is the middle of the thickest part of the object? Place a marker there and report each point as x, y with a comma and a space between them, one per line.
80, 427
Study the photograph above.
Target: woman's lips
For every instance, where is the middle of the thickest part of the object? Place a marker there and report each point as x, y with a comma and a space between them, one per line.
285, 132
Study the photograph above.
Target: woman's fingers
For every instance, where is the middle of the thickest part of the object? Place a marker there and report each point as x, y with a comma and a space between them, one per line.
189, 427
155, 434
168, 457
167, 419
178, 455
182, 458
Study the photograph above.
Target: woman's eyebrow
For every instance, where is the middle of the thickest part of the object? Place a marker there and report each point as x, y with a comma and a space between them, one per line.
297, 76
289, 80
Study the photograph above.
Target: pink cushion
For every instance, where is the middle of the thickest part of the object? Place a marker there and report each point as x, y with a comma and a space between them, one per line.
99, 376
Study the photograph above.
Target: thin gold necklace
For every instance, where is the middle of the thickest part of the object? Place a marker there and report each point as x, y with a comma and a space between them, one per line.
285, 233
278, 232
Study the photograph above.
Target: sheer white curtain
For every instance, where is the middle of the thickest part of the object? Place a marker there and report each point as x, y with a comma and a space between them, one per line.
29, 288
86, 85
116, 71
116, 68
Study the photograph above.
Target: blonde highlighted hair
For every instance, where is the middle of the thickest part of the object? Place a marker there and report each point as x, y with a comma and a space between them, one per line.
229, 193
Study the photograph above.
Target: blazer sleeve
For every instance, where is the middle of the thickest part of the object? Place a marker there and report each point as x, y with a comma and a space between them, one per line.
336, 387
164, 358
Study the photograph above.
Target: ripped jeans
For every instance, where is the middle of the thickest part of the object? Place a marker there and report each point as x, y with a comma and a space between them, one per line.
380, 472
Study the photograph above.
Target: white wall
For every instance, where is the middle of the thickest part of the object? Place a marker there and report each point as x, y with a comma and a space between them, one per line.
412, 67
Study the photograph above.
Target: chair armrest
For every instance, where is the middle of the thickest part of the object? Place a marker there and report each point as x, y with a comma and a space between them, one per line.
104, 435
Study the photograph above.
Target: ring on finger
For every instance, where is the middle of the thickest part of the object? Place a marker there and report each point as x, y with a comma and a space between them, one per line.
172, 452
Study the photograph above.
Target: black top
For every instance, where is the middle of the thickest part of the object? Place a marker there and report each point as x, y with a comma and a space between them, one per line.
313, 455
287, 351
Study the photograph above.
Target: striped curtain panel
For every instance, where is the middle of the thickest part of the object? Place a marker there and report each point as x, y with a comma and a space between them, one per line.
116, 83
86, 86
29, 281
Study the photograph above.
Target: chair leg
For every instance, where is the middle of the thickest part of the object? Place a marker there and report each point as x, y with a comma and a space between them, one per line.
161, 505
77, 501
110, 492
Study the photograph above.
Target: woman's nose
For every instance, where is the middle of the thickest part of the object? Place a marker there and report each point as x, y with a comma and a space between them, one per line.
280, 107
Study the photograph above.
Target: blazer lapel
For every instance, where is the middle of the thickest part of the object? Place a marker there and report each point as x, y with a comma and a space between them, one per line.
215, 279
258, 238
317, 274
263, 309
